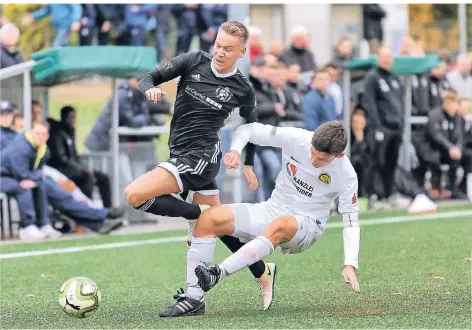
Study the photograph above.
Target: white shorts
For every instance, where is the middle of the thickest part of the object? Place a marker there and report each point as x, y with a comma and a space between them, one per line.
250, 220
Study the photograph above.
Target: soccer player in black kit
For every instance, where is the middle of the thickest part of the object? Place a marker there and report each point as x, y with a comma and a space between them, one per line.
210, 88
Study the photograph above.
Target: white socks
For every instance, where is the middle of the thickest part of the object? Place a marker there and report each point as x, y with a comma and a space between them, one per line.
200, 253
255, 250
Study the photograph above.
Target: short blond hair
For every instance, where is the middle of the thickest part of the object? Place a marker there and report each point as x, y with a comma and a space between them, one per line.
236, 29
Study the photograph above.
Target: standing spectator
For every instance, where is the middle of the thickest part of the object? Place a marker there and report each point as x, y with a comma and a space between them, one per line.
64, 158
319, 106
383, 102
106, 16
290, 98
443, 143
299, 51
343, 52
21, 176
87, 24
373, 31
465, 108
65, 18
186, 19
460, 78
277, 48
334, 89
293, 77
18, 124
359, 153
210, 19
136, 18
437, 84
163, 16
9, 54
36, 111
256, 46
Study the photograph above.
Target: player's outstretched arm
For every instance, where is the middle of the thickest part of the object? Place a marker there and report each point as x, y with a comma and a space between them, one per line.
167, 71
349, 208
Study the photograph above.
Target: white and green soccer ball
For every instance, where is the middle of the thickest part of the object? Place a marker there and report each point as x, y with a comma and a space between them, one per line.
79, 297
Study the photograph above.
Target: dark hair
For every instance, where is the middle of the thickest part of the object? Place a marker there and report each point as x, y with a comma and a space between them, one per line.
332, 66
65, 112
236, 29
331, 138
35, 102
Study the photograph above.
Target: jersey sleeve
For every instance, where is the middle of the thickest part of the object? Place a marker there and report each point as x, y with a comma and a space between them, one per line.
265, 135
169, 70
349, 208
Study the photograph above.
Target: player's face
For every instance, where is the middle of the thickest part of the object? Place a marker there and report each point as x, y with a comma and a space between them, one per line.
226, 51
320, 159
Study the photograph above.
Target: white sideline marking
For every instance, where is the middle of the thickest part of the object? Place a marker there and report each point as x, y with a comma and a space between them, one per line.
406, 218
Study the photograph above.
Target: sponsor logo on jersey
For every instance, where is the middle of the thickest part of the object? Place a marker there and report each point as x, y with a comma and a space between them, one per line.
325, 178
223, 94
301, 186
192, 92
196, 77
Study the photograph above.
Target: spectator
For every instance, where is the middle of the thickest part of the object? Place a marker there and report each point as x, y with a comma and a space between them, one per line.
460, 78
87, 24
136, 17
36, 111
64, 158
256, 46
6, 119
343, 52
437, 84
65, 18
465, 108
210, 19
186, 19
277, 48
319, 106
407, 45
289, 97
359, 153
442, 144
299, 52
445, 56
334, 89
18, 124
134, 112
9, 54
163, 16
293, 77
106, 17
383, 102
22, 177
373, 31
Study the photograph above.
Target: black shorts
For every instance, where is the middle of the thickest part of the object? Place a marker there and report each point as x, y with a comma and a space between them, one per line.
193, 173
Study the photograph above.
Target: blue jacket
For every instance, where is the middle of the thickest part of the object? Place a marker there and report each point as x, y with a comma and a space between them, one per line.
18, 160
134, 112
62, 16
6, 136
139, 19
318, 109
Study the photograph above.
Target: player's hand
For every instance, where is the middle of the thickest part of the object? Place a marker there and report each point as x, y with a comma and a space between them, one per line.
106, 26
279, 108
27, 184
455, 153
75, 26
250, 178
349, 277
155, 94
231, 159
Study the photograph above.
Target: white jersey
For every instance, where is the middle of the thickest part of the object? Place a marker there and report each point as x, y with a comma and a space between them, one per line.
300, 186
304, 189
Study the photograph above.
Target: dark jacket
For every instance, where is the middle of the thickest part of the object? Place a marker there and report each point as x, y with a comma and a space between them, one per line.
62, 148
293, 104
436, 86
8, 58
420, 95
134, 112
373, 15
266, 99
442, 133
18, 160
88, 10
467, 131
6, 136
107, 12
302, 57
383, 100
318, 109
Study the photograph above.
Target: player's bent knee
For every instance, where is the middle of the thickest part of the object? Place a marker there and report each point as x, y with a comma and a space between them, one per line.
214, 221
133, 196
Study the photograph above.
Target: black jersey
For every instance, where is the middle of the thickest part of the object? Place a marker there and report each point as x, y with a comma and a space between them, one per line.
204, 100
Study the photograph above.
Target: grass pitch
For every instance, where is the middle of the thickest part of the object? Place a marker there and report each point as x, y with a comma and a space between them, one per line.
413, 275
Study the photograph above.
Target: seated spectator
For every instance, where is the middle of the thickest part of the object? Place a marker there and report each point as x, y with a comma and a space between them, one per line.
359, 153
319, 106
442, 144
460, 78
36, 111
21, 176
334, 89
437, 84
7, 134
64, 17
290, 98
18, 124
64, 158
465, 108
9, 54
134, 113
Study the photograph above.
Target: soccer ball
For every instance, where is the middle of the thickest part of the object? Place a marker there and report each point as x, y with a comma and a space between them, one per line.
79, 297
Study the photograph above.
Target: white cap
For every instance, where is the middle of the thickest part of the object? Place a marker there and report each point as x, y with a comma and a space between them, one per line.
299, 29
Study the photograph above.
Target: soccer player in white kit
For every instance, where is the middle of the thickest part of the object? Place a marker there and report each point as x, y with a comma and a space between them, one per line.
315, 171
